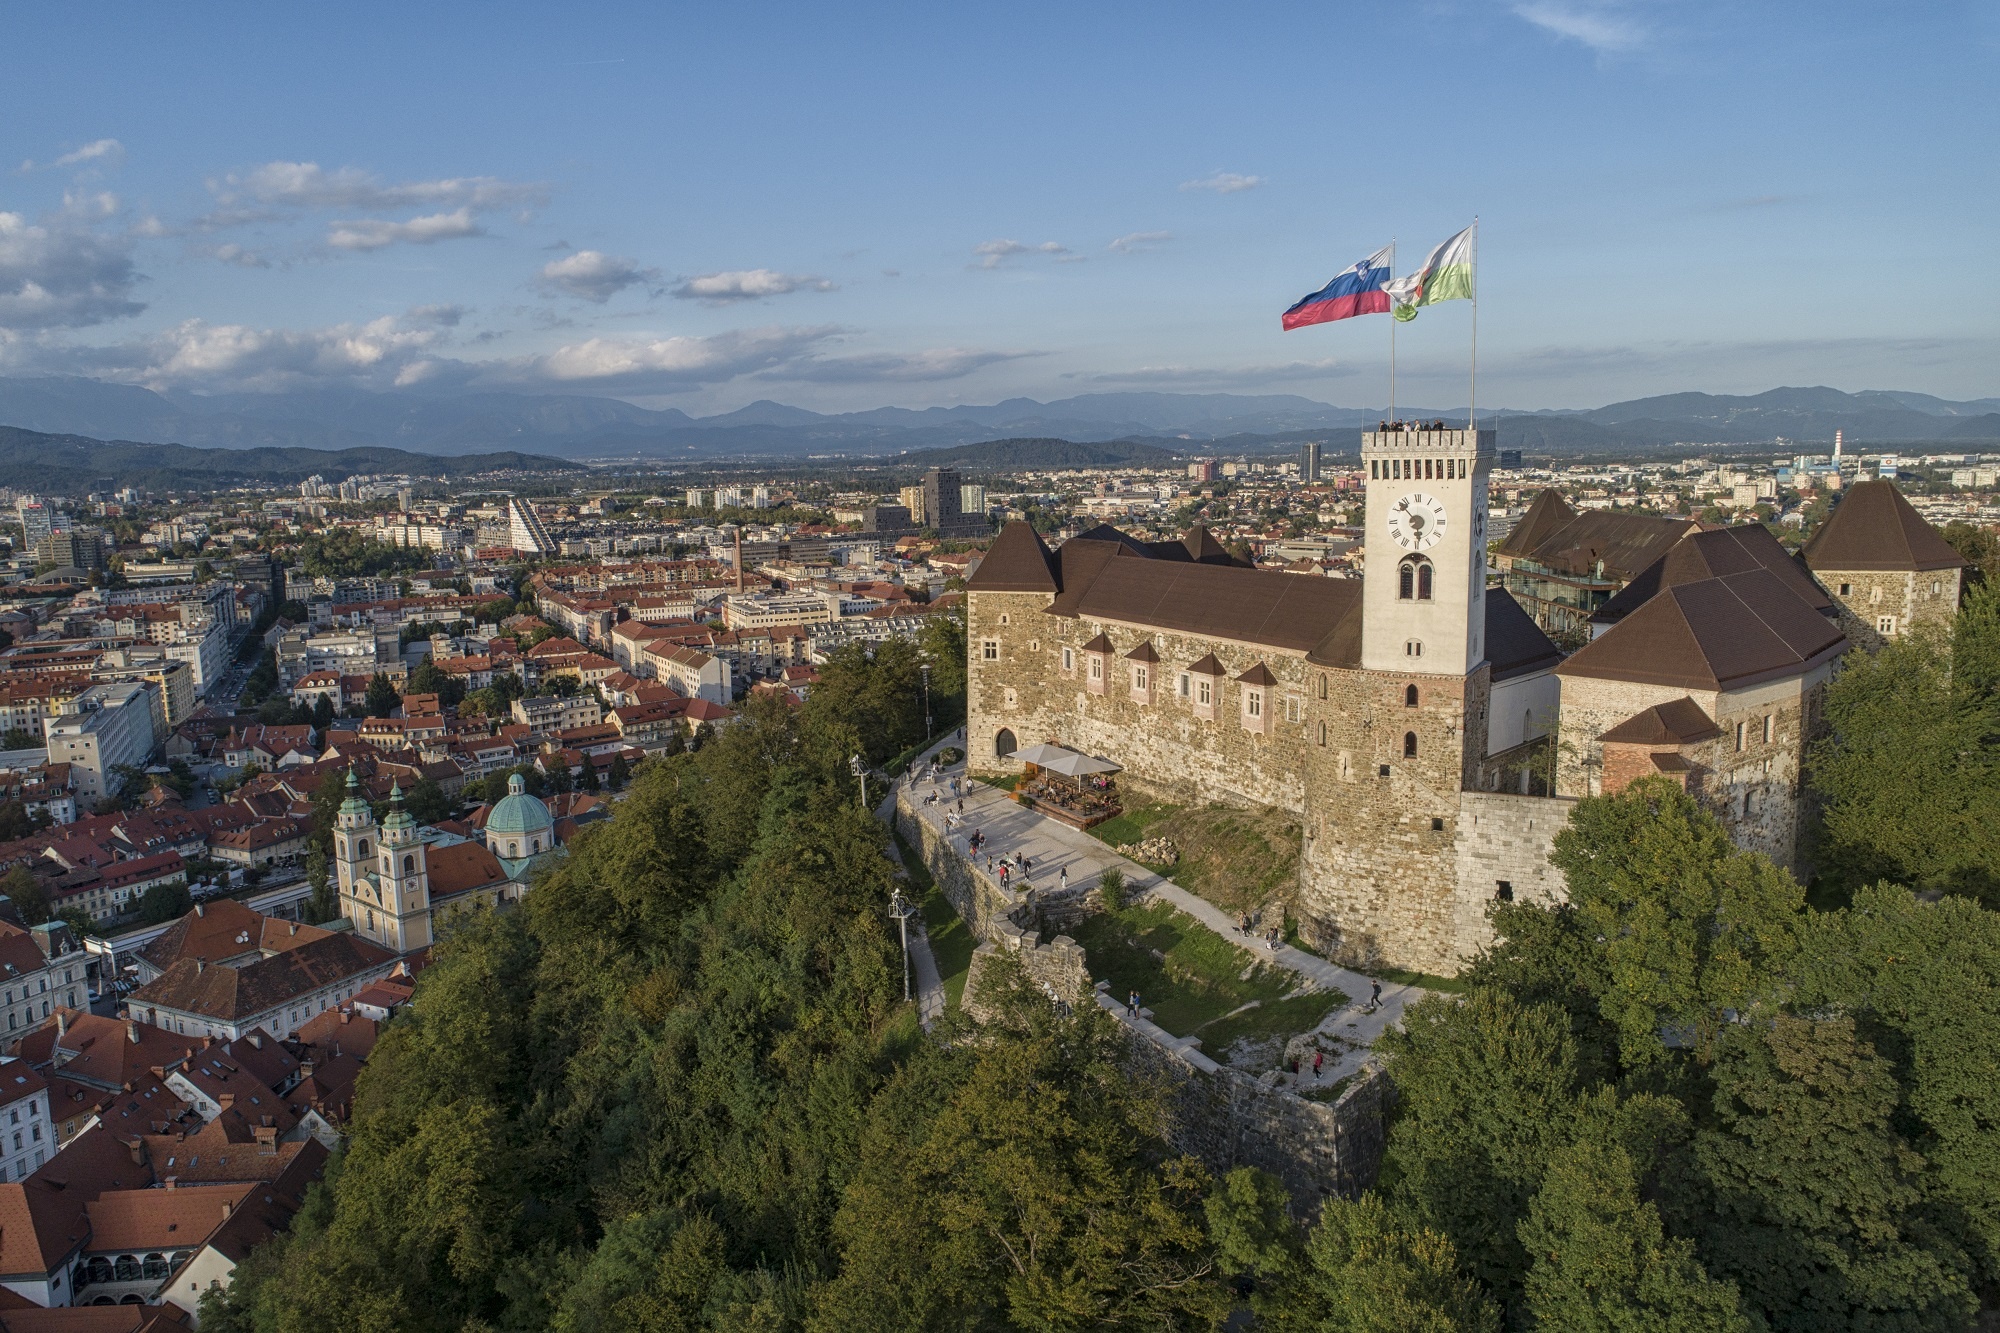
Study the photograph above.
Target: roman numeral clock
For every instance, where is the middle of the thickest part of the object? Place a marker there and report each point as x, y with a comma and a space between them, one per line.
1417, 521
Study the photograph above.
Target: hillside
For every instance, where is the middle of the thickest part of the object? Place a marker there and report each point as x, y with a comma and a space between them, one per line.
34, 460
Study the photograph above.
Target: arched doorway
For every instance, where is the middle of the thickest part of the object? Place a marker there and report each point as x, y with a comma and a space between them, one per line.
1004, 744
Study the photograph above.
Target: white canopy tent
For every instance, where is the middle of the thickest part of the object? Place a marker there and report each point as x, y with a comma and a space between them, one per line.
1061, 759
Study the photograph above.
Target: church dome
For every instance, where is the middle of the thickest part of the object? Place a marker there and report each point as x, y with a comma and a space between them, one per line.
517, 814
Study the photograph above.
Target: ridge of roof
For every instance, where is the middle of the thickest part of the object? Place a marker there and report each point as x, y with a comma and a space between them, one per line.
1677, 722
1712, 553
1546, 512
1720, 633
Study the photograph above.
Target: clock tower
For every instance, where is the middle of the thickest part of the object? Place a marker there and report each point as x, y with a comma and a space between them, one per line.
1424, 595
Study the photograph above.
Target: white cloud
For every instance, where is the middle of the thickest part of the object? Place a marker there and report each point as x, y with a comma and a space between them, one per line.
1224, 182
57, 273
198, 354
666, 364
592, 275
438, 316
1140, 240
1603, 28
992, 254
749, 284
107, 151
308, 185
938, 363
376, 233
237, 255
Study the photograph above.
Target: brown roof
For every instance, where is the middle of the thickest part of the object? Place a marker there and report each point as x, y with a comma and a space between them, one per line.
340, 1031
1104, 580
111, 1052
232, 993
1676, 722
217, 930
95, 1319
1258, 675
1625, 543
149, 1219
463, 867
1208, 666
1711, 554
1016, 562
1548, 512
1721, 633
42, 1218
1515, 644
1874, 528
1144, 652
1101, 644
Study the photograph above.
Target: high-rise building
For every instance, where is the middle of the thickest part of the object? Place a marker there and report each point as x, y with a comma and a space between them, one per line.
912, 499
972, 499
37, 521
1309, 456
525, 531
941, 503
80, 550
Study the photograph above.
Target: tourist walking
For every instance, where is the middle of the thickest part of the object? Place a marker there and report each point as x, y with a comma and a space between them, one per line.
1319, 1058
1374, 995
1132, 1004
1062, 877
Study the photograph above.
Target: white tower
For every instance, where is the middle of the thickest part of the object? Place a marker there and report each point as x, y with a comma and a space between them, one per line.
1424, 598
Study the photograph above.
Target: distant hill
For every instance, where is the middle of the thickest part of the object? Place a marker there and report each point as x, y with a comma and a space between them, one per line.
1039, 452
582, 426
33, 460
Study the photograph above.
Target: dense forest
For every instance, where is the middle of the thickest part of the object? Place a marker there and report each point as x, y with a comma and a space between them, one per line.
677, 1089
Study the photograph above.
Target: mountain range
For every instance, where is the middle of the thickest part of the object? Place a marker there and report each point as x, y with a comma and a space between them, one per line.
577, 426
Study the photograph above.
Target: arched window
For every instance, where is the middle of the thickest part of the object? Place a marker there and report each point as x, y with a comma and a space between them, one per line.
361, 848
1322, 733
1409, 745
1413, 580
1409, 696
409, 865
1004, 743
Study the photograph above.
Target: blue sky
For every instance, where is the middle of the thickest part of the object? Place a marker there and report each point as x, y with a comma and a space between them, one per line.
849, 206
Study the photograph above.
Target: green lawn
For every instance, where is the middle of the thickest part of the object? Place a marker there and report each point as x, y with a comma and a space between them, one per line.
951, 939
1131, 826
1198, 980
1003, 781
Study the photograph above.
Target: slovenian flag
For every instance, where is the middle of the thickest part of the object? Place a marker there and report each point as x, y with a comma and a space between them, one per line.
1358, 291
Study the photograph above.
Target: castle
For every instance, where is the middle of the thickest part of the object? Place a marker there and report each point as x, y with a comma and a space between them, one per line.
1426, 732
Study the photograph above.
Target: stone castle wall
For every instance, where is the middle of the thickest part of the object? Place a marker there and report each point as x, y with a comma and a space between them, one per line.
1224, 1117
1378, 870
1917, 599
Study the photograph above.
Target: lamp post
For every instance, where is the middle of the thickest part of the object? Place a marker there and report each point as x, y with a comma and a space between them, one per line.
902, 911
861, 776
925, 668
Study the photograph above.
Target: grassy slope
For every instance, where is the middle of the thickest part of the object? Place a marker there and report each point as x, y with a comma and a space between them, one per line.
951, 939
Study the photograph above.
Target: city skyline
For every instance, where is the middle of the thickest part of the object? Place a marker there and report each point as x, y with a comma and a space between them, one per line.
702, 210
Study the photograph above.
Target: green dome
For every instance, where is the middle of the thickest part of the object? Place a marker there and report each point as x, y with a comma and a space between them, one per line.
518, 814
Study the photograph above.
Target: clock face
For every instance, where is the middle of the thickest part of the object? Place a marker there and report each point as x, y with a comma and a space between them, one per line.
1417, 522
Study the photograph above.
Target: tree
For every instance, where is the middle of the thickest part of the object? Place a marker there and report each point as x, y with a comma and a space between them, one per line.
1602, 1259
323, 713
1815, 1187
1365, 1271
588, 779
619, 773
427, 802
382, 696
19, 738
1909, 770
25, 892
16, 822
165, 902
324, 902
1979, 546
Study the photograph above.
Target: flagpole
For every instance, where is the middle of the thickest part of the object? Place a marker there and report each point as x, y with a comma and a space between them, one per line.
1392, 335
1472, 390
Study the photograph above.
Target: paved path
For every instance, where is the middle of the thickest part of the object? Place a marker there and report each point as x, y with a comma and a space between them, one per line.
1053, 847
924, 977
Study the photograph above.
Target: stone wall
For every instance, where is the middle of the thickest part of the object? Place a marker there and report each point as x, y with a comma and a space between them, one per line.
1505, 839
1377, 870
1914, 598
1227, 1118
1222, 1116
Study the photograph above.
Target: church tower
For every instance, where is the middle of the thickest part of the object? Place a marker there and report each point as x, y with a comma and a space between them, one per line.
354, 838
1424, 597
403, 873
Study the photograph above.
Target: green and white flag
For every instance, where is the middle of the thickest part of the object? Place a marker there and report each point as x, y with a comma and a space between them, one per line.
1445, 276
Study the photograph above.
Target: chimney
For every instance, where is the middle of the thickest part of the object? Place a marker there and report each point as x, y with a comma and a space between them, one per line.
62, 1024
739, 559
225, 1210
226, 1100
168, 1182
256, 1040
132, 1031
